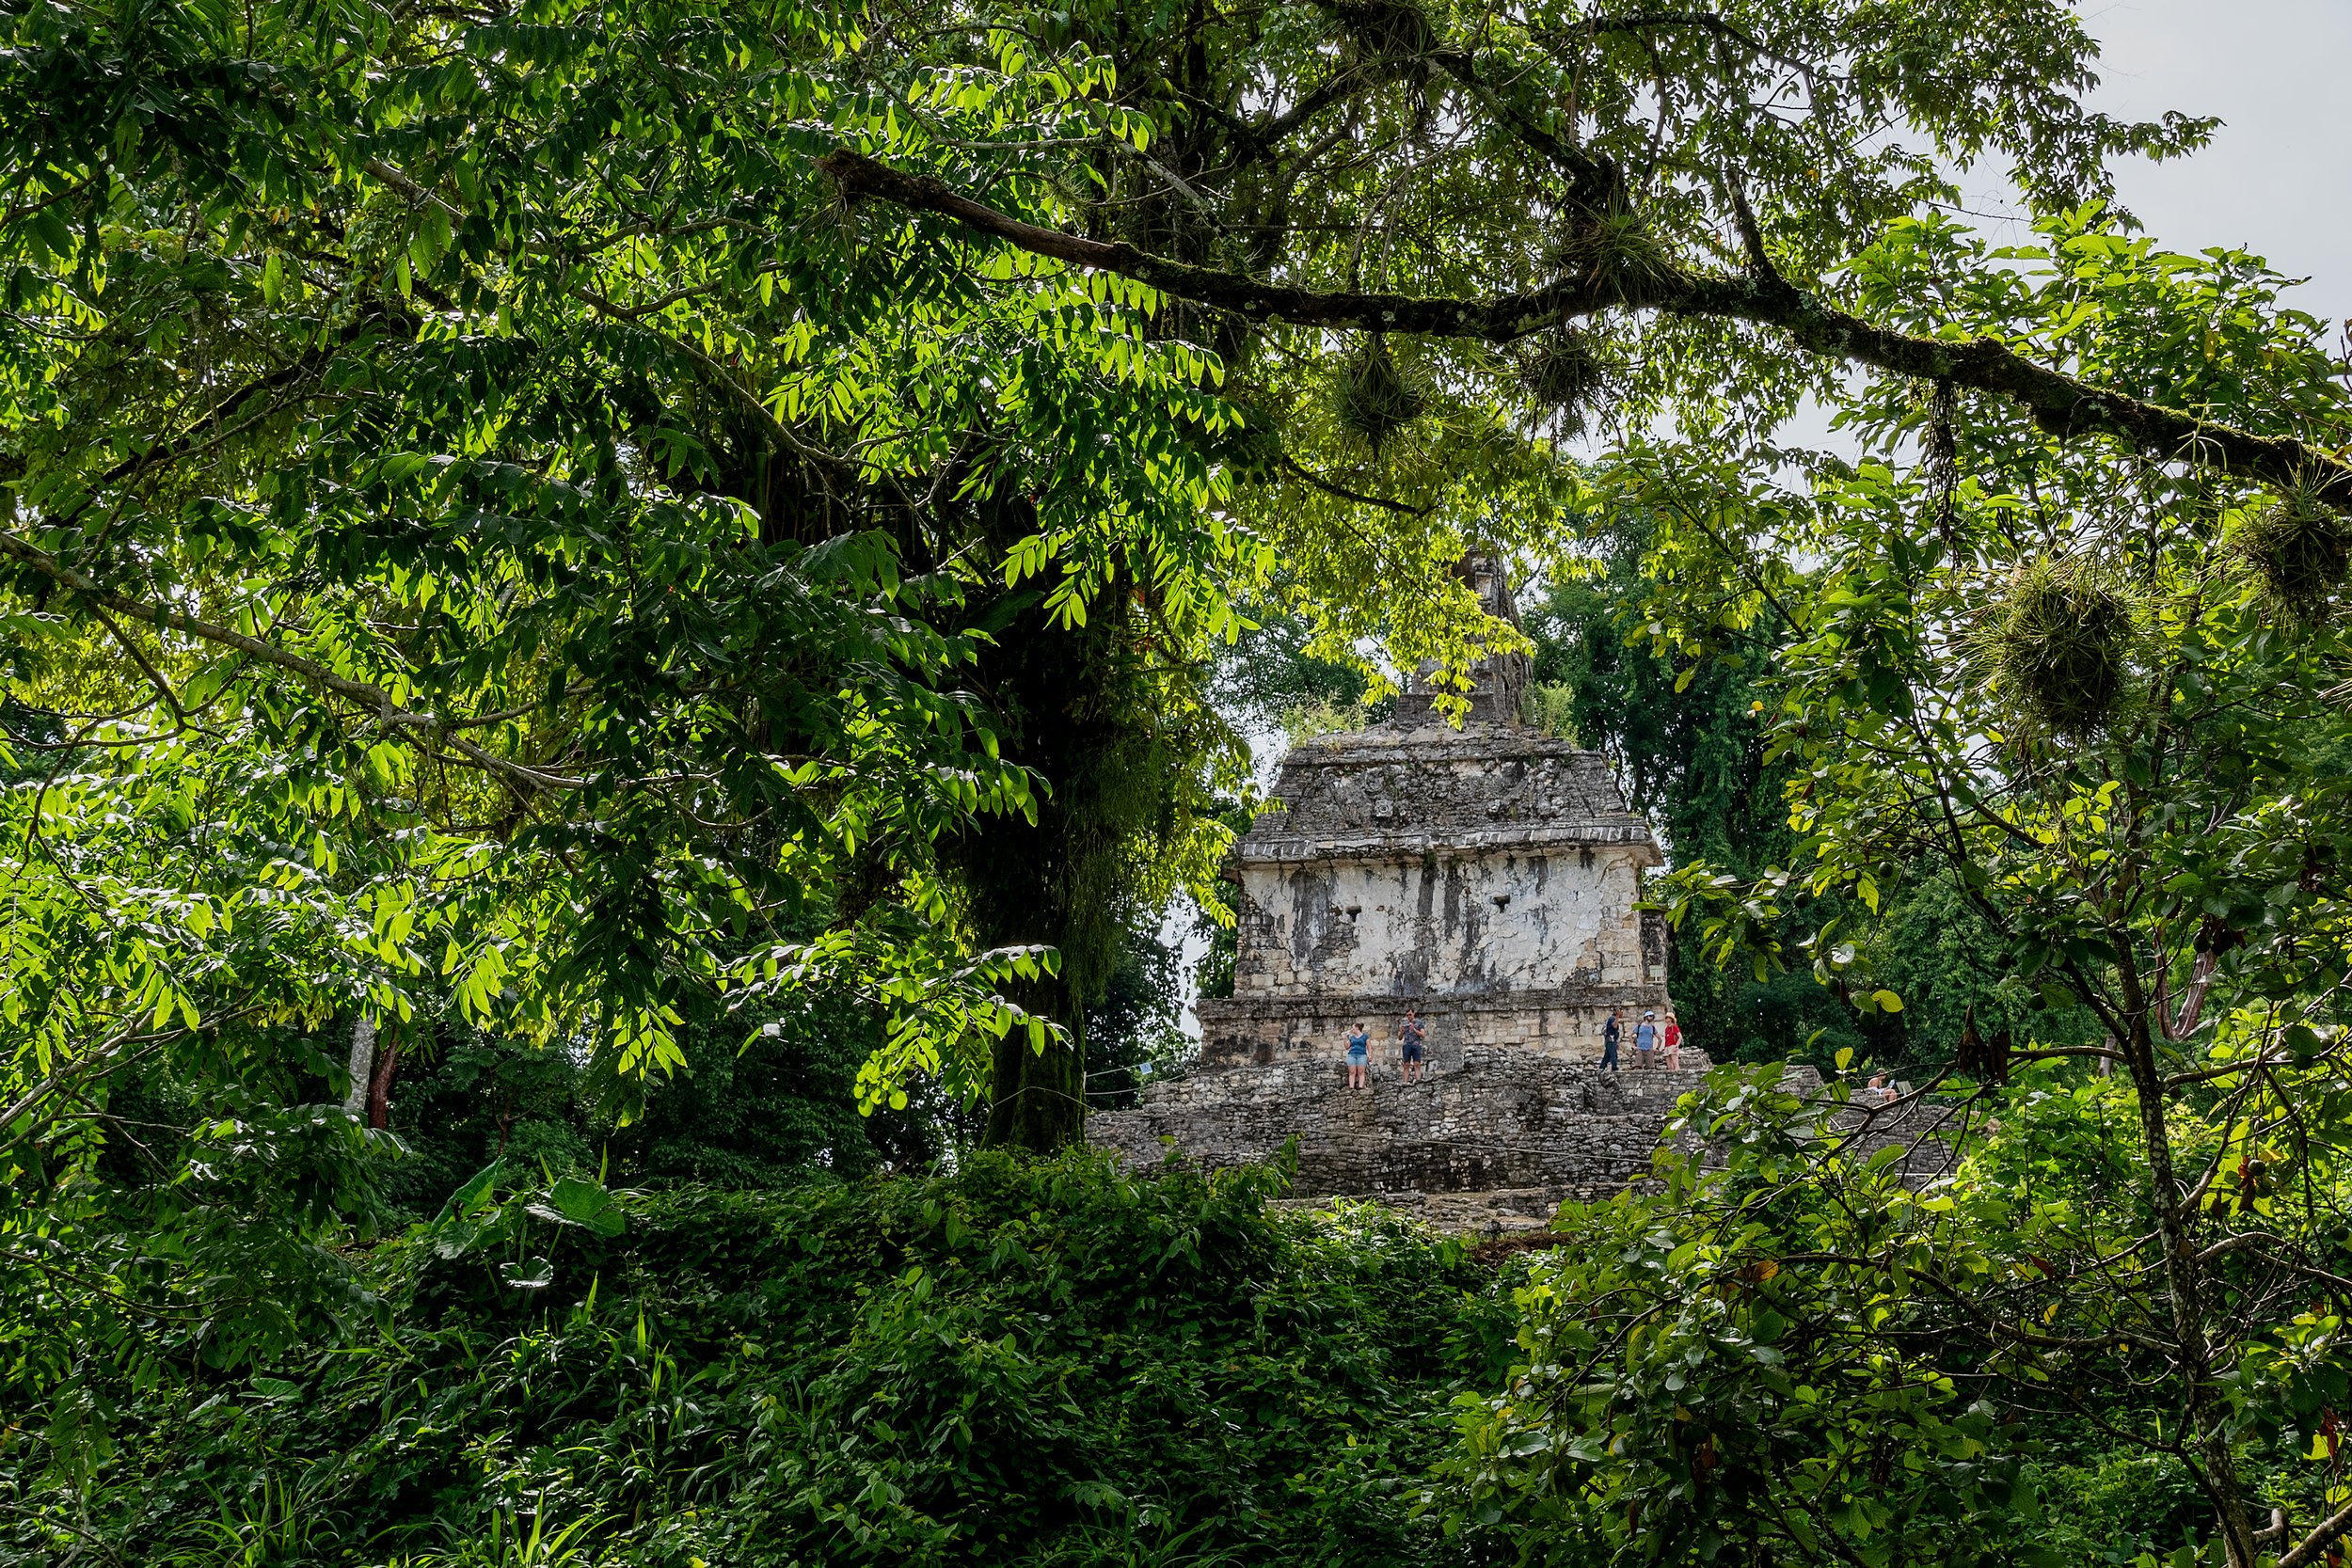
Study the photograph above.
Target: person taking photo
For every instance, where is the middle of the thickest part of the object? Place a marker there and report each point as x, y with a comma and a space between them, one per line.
1646, 1041
1415, 1038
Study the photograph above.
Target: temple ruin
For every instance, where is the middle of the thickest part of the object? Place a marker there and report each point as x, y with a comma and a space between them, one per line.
1487, 876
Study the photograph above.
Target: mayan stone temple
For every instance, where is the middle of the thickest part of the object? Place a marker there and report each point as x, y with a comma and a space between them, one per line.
1487, 877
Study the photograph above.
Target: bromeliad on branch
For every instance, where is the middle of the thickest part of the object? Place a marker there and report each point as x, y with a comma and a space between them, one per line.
2065, 405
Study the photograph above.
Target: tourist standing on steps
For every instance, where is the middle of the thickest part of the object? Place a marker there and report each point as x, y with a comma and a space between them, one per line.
1608, 1033
1673, 1042
1414, 1037
1645, 1040
1359, 1056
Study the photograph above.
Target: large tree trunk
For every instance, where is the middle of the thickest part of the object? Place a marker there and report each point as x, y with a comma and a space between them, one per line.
380, 1082
1078, 705
1021, 873
362, 1067
1038, 1100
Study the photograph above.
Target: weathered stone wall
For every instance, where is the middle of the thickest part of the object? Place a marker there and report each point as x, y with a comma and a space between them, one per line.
1495, 1145
1487, 878
1445, 921
1562, 1022
1502, 1119
1407, 785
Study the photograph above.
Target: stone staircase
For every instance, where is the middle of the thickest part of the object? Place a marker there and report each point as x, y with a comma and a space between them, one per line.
1493, 1144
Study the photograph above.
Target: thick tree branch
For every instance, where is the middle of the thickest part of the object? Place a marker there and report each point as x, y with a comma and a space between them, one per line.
1500, 320
1596, 184
2060, 404
1640, 22
2315, 1545
1751, 239
186, 445
1310, 477
1261, 134
154, 676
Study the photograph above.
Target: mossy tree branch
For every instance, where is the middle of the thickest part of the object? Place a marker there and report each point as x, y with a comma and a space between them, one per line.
2062, 404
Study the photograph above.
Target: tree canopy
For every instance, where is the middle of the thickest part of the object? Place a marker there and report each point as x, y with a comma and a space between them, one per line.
584, 523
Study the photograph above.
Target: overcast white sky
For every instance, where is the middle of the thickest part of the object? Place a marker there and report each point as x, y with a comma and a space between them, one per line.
2277, 178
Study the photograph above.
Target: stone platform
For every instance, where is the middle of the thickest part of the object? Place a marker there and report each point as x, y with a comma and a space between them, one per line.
1492, 1143
1491, 1147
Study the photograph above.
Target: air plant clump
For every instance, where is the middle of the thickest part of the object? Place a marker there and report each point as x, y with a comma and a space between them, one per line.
1374, 398
2060, 641
1561, 373
1618, 258
2301, 550
1390, 30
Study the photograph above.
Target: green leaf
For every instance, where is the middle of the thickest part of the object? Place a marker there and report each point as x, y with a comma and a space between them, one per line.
476, 1193
577, 1200
535, 1274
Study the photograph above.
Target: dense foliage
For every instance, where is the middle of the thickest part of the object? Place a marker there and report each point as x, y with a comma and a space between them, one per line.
1025, 1363
485, 565
1807, 1356
761, 1113
1687, 746
573, 526
1049, 1363
1688, 736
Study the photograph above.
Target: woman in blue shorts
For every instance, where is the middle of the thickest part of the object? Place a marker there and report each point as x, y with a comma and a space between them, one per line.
1358, 1054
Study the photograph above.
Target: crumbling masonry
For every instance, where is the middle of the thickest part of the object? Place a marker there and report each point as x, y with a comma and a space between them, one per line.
1487, 876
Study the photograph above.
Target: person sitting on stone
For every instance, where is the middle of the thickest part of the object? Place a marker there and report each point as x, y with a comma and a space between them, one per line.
1881, 1092
1645, 1040
1673, 1042
1608, 1033
1414, 1036
1359, 1056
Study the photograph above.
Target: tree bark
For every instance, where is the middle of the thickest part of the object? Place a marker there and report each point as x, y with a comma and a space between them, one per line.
2183, 1286
380, 1082
1037, 1101
362, 1067
1078, 705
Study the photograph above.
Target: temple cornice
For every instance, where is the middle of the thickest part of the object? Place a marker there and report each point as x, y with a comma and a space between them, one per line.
1270, 849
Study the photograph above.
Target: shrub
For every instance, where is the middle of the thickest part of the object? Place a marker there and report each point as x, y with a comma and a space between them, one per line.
1042, 1362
